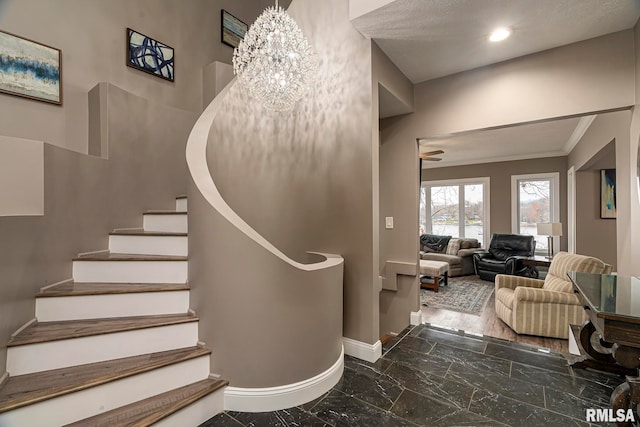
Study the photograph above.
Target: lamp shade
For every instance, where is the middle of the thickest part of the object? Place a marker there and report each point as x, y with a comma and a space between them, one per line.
549, 229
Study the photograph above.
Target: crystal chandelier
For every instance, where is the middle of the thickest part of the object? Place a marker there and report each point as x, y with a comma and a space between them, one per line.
274, 60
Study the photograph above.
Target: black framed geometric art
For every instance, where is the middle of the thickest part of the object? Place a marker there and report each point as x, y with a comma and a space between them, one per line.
149, 55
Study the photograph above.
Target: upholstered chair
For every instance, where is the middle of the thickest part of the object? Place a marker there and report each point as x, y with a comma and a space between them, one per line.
504, 256
545, 307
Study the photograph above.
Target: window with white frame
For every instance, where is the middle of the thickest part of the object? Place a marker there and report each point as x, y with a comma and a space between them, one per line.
535, 199
457, 208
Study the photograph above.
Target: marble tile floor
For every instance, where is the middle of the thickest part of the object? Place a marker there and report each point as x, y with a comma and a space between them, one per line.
430, 376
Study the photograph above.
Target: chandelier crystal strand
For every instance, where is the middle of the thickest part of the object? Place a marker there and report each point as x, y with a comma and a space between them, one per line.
274, 61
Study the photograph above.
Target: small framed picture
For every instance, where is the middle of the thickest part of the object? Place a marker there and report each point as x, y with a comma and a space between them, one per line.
608, 193
233, 29
149, 55
30, 69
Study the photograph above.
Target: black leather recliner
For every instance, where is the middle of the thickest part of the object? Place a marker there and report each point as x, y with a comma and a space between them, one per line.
504, 256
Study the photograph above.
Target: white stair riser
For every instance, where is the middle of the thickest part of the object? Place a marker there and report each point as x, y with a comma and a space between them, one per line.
95, 400
39, 357
149, 245
130, 271
181, 205
169, 223
51, 309
197, 413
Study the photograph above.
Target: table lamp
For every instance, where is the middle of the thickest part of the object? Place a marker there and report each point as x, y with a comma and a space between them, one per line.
549, 229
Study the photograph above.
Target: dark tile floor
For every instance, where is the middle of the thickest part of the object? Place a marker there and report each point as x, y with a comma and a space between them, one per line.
435, 377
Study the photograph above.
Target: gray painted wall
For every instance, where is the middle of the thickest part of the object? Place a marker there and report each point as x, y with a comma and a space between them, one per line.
595, 236
594, 75
500, 184
598, 149
91, 35
630, 226
399, 199
398, 191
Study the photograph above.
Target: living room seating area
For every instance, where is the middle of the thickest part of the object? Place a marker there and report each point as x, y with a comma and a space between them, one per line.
503, 256
457, 252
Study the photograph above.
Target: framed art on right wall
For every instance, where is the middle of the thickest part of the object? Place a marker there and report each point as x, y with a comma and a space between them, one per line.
608, 193
233, 29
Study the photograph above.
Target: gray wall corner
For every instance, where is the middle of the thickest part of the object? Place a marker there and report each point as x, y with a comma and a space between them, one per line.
99, 120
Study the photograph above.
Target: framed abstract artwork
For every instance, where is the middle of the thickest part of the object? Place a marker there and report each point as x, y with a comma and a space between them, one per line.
233, 29
30, 69
607, 193
149, 55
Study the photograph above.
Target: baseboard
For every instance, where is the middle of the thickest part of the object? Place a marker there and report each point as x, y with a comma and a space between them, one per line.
115, 230
285, 396
44, 288
361, 350
573, 343
416, 318
103, 251
3, 379
23, 327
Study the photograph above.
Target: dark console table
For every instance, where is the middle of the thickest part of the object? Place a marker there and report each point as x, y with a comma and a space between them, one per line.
611, 336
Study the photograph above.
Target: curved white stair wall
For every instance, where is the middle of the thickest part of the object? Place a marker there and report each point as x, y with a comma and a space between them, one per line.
274, 322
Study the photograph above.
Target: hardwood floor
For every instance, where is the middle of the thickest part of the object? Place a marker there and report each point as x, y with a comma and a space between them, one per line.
66, 329
23, 390
488, 324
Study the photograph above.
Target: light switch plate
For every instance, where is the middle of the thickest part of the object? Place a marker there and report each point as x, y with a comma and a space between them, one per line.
388, 222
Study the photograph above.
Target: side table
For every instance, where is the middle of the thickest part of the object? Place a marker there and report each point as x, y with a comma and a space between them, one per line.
533, 262
431, 272
611, 335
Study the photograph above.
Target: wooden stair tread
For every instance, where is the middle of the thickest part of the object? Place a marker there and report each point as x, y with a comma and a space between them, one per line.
59, 330
23, 390
108, 256
79, 289
149, 411
165, 213
146, 233
182, 196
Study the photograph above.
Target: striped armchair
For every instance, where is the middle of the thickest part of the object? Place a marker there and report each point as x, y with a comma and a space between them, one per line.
545, 307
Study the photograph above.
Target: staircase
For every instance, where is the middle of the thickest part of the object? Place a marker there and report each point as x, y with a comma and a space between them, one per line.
117, 345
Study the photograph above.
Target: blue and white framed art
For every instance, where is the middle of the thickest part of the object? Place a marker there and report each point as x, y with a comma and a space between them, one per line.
149, 55
30, 69
233, 29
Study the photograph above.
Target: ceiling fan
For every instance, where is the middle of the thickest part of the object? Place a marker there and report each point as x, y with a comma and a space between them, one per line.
429, 155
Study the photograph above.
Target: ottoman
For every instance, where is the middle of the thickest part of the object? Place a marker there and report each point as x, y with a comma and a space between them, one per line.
431, 272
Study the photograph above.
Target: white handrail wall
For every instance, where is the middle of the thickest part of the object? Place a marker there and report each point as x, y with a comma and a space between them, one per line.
265, 189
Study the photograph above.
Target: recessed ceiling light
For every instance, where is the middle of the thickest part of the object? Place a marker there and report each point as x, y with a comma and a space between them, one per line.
500, 34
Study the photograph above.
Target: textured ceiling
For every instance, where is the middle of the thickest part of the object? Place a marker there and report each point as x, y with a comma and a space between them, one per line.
552, 138
433, 38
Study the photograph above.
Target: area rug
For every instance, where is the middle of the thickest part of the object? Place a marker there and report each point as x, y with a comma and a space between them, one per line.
465, 294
